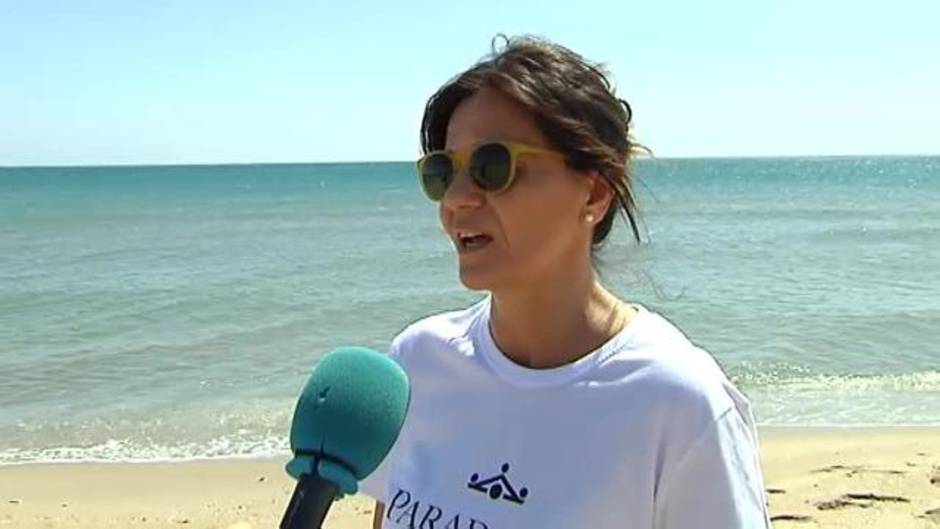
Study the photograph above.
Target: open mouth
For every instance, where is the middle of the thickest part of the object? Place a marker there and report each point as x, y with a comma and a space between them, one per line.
467, 241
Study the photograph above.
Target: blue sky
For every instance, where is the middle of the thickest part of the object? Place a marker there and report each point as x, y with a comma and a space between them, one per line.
207, 81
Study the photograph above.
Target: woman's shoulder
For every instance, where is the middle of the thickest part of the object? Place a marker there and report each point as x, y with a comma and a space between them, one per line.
436, 329
676, 372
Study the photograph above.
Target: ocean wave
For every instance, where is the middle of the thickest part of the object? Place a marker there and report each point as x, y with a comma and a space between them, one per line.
799, 379
788, 396
141, 451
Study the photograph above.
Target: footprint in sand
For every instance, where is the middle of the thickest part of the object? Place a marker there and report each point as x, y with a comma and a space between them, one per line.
935, 476
933, 515
857, 469
839, 503
791, 518
858, 499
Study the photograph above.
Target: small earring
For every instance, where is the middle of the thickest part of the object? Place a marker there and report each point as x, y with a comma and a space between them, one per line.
589, 218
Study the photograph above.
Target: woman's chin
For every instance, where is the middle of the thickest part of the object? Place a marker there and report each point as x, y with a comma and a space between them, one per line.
474, 282
476, 279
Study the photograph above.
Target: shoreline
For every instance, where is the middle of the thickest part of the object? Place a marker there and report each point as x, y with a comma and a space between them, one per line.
769, 431
830, 477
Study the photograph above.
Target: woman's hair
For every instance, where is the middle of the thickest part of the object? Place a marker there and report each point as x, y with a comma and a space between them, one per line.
573, 103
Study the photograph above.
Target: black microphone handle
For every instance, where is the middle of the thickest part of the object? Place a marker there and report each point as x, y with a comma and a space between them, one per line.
312, 499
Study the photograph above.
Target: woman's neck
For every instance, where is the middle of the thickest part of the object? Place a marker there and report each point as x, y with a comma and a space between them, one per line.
556, 324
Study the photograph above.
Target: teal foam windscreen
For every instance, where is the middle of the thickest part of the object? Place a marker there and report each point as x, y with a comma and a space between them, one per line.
348, 415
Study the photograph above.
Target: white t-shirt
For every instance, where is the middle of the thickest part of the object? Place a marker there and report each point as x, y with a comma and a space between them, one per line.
644, 432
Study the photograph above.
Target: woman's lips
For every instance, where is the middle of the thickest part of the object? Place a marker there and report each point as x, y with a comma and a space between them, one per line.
468, 241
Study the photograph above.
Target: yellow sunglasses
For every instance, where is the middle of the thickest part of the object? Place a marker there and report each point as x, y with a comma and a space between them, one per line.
492, 166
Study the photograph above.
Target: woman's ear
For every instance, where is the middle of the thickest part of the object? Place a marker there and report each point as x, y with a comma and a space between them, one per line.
600, 195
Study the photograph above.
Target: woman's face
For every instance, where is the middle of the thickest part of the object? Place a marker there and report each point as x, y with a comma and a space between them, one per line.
533, 232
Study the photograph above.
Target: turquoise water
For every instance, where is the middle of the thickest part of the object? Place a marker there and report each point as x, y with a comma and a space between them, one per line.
174, 312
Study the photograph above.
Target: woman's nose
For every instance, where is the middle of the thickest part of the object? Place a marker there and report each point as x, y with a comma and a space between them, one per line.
462, 193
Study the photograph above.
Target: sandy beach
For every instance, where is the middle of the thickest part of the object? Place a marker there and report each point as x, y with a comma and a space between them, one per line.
827, 478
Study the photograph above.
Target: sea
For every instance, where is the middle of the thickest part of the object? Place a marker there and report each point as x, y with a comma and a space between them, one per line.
160, 313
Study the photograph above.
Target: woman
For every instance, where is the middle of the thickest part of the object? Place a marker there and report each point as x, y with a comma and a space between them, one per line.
552, 403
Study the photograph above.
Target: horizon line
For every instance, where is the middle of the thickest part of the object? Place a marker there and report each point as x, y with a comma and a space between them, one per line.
365, 162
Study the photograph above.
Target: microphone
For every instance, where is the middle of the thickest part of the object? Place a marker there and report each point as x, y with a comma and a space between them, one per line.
348, 416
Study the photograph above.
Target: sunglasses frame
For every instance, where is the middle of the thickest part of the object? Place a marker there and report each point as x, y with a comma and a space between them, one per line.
461, 158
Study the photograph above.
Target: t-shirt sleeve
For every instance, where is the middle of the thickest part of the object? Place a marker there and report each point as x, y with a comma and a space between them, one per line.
717, 484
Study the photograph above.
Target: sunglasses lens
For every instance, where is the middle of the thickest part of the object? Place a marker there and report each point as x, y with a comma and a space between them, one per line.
490, 166
437, 172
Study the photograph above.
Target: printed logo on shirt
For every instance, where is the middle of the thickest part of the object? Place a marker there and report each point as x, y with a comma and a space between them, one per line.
498, 487
404, 510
